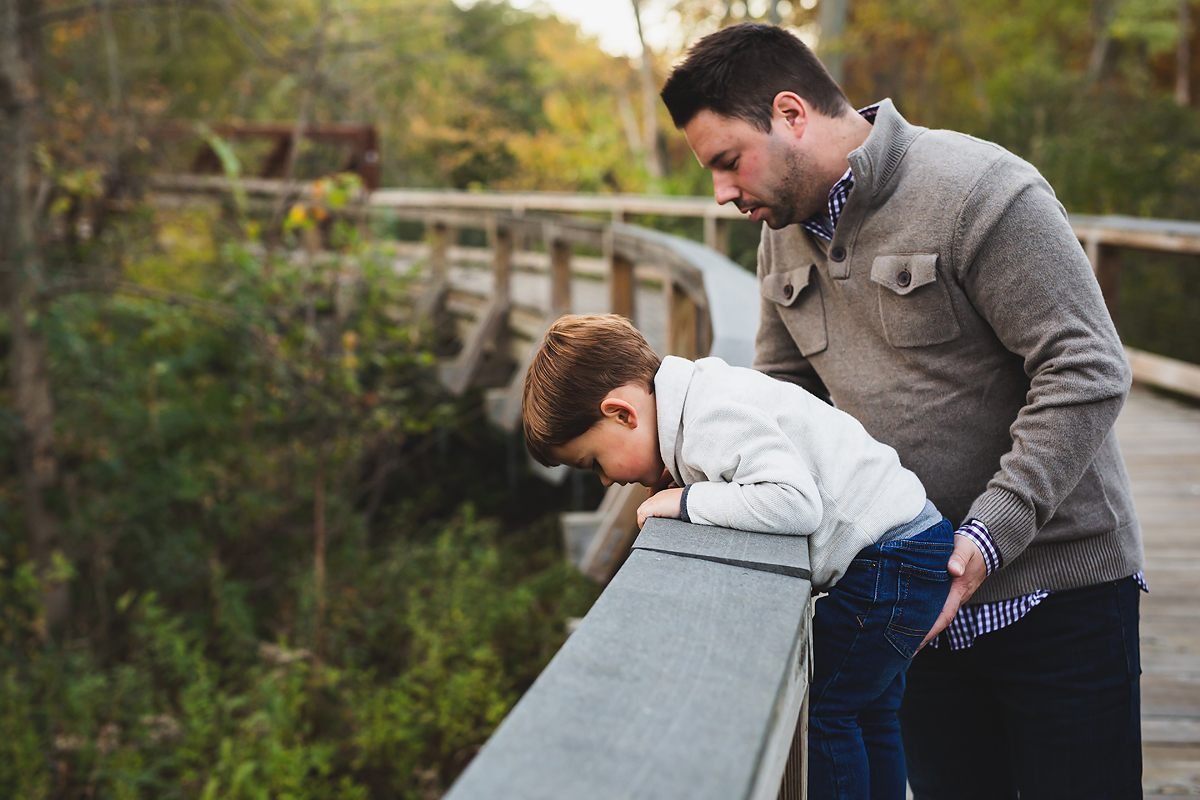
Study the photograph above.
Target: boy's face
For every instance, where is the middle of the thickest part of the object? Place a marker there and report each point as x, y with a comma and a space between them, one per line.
621, 448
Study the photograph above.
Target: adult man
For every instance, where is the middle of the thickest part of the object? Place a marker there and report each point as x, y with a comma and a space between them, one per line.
929, 284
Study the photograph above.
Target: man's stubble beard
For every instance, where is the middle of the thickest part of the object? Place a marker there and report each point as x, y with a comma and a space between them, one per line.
794, 199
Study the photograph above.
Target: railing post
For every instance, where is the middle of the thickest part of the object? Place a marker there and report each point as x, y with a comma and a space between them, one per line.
439, 249
560, 272
502, 257
1106, 263
683, 322
716, 233
621, 284
433, 295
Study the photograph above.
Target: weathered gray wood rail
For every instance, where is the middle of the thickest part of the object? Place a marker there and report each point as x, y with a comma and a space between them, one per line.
685, 680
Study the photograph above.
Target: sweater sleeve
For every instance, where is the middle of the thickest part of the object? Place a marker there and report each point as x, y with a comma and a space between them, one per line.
756, 478
1025, 272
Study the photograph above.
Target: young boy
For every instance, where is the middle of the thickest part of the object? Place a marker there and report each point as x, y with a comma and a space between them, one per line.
756, 454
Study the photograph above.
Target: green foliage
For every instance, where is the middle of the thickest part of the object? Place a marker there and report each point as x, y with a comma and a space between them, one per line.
217, 646
181, 716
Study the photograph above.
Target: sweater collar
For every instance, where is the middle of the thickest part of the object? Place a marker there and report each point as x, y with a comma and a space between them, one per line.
670, 389
876, 160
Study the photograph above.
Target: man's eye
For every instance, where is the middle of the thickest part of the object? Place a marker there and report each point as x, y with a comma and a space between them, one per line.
732, 165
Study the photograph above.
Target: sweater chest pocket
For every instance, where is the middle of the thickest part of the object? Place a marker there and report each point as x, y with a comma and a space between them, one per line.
914, 303
797, 298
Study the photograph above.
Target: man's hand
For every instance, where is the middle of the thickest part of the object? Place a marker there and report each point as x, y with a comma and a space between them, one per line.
663, 504
969, 569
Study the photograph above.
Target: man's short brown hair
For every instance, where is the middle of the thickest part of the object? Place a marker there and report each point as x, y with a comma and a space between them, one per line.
581, 360
737, 72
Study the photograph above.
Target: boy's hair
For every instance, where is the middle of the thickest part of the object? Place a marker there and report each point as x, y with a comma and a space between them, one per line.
581, 360
737, 72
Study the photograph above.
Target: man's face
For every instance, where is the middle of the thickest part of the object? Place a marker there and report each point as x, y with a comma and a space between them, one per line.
766, 175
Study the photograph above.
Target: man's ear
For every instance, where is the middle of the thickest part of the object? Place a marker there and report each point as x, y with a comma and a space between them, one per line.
620, 410
791, 109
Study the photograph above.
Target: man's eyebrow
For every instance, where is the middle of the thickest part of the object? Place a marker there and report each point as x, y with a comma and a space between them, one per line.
717, 159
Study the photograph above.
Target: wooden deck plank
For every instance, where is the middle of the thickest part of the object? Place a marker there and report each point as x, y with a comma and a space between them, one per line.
1160, 439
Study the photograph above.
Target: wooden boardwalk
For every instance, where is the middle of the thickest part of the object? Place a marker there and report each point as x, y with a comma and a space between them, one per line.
1160, 439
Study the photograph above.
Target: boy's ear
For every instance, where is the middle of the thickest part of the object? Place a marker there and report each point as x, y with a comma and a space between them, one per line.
620, 410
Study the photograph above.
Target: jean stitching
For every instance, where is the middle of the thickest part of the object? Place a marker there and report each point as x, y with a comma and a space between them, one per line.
901, 601
932, 547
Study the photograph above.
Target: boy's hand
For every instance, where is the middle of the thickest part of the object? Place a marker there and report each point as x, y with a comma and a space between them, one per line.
664, 482
663, 504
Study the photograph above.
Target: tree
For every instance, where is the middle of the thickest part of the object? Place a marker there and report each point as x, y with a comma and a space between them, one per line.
650, 145
20, 282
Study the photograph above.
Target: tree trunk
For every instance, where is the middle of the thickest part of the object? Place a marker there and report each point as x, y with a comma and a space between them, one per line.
1103, 14
831, 19
20, 279
1183, 57
319, 546
650, 144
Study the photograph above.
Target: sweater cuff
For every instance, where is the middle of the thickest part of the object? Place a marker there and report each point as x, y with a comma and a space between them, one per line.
1009, 521
683, 515
975, 530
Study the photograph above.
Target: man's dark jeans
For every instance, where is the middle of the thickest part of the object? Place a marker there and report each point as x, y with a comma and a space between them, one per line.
865, 632
1047, 708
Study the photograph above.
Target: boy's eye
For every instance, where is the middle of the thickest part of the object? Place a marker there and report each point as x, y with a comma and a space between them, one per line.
731, 165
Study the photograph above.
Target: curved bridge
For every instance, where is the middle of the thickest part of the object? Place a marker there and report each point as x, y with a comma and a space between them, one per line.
688, 676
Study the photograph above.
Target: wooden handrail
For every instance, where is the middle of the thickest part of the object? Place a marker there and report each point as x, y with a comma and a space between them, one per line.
668, 689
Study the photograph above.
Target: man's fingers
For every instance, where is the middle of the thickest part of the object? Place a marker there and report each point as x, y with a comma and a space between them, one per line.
953, 602
969, 569
964, 552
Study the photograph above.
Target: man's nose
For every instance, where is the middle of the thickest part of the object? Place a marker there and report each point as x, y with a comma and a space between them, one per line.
605, 481
723, 189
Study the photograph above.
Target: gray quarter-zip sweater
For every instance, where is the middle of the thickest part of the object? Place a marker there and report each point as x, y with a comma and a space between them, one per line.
956, 316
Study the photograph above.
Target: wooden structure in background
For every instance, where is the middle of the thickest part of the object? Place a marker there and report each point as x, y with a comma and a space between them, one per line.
360, 142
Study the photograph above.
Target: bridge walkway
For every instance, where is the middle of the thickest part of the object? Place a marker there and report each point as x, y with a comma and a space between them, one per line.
1160, 439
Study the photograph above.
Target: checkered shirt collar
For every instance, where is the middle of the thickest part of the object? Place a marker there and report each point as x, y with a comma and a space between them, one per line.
823, 224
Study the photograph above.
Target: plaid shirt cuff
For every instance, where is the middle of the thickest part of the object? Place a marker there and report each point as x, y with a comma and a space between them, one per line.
975, 530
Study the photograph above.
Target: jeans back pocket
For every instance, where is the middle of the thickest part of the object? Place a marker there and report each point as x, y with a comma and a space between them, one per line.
920, 596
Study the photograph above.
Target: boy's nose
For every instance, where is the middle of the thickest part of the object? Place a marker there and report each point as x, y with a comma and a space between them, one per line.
606, 481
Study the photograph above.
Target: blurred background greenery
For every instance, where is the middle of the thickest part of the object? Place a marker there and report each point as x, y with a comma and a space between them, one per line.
248, 547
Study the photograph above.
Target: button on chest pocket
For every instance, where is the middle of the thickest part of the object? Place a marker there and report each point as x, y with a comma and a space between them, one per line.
914, 303
797, 298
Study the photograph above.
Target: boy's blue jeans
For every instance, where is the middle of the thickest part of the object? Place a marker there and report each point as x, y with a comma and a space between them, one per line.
865, 632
